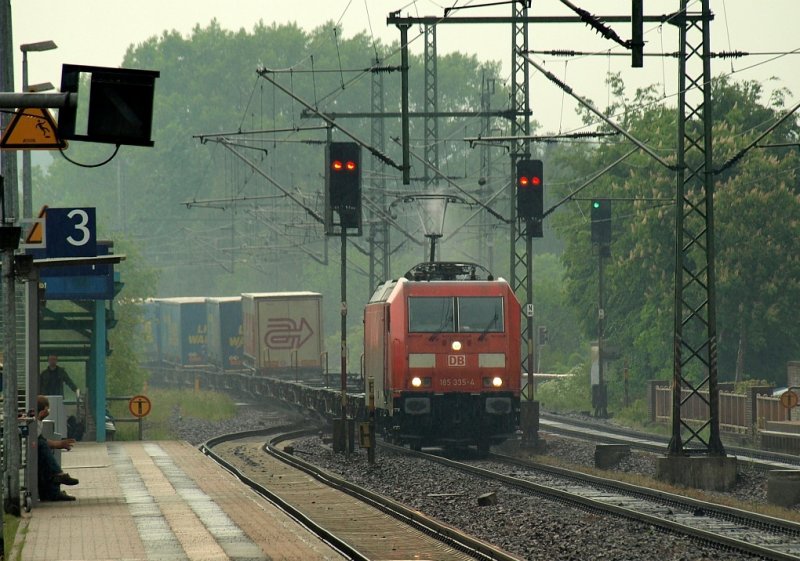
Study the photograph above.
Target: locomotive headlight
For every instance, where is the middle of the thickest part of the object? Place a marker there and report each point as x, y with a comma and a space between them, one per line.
497, 381
456, 345
416, 381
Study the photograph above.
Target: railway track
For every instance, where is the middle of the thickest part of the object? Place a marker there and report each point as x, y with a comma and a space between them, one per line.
355, 521
729, 528
365, 525
604, 432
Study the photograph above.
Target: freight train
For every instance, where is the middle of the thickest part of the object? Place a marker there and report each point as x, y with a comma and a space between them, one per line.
441, 350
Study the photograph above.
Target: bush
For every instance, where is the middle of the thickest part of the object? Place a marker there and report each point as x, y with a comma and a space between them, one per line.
570, 394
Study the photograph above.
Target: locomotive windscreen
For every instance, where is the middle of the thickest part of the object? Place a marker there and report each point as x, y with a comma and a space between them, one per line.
480, 314
463, 314
431, 315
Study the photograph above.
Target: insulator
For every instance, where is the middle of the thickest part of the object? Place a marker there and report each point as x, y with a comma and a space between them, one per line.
730, 54
383, 69
562, 52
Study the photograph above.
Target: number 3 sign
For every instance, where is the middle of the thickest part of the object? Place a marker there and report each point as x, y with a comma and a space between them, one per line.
71, 232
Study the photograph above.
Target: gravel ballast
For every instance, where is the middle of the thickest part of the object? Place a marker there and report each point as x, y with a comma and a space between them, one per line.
531, 527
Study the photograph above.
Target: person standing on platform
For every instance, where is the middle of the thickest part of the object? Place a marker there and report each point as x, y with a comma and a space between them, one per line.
53, 378
51, 476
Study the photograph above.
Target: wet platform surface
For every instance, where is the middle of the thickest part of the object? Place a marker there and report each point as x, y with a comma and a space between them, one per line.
158, 501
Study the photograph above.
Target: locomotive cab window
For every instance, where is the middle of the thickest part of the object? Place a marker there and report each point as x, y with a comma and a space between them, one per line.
431, 315
480, 314
465, 314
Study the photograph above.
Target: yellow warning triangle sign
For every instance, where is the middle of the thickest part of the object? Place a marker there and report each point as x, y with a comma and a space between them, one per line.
35, 235
32, 128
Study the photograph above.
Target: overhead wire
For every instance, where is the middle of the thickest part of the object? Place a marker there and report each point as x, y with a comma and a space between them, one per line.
727, 29
666, 96
358, 77
371, 32
249, 101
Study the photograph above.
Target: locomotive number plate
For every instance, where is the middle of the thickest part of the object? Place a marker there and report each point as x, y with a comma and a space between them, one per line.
458, 382
456, 360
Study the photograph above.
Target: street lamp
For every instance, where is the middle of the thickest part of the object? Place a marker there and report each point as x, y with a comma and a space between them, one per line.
27, 201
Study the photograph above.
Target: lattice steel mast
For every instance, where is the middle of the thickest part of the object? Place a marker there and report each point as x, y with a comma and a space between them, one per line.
379, 228
695, 336
521, 269
431, 130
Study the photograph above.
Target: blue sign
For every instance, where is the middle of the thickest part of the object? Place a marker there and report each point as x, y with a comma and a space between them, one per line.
71, 232
79, 288
79, 282
101, 269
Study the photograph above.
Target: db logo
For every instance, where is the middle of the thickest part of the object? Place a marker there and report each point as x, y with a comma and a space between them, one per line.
456, 360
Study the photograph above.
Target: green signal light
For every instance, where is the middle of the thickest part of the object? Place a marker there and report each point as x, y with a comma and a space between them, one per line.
596, 204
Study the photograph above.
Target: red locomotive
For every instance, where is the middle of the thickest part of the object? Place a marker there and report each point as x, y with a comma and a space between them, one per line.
442, 345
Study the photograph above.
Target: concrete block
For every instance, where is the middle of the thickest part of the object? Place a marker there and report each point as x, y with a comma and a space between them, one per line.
529, 420
609, 455
487, 499
784, 426
783, 487
711, 473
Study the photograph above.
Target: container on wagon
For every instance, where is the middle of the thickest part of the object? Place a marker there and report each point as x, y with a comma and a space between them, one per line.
224, 341
149, 329
183, 331
283, 334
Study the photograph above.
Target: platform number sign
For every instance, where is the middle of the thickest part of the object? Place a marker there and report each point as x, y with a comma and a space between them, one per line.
71, 232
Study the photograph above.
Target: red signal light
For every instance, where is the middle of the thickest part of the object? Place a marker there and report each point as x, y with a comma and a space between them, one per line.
523, 181
338, 165
536, 180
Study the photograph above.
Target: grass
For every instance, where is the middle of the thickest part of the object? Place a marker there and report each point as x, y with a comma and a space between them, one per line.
10, 526
157, 425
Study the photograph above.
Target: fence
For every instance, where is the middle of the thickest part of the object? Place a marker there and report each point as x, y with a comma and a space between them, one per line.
738, 413
127, 419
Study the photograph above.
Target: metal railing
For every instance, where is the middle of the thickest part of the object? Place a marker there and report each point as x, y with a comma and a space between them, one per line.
138, 420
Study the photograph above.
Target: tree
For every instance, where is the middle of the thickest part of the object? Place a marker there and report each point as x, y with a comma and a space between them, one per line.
124, 375
756, 238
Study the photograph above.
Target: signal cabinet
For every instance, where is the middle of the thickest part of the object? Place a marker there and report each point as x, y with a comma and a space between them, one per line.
224, 341
183, 329
282, 333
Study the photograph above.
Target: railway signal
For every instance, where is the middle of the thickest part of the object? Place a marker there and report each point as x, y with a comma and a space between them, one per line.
601, 222
343, 184
530, 193
543, 337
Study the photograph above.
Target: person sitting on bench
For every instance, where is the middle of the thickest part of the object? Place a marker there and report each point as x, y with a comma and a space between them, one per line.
51, 476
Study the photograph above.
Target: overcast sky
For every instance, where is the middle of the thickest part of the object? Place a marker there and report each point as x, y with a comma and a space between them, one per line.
98, 32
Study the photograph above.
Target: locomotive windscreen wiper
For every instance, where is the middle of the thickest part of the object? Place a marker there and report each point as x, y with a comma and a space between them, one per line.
446, 320
492, 322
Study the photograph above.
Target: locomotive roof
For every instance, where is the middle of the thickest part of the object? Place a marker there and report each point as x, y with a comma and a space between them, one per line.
278, 295
385, 291
433, 272
448, 271
216, 299
182, 300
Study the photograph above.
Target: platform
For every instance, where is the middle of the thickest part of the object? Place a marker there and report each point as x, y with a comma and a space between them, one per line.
162, 501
